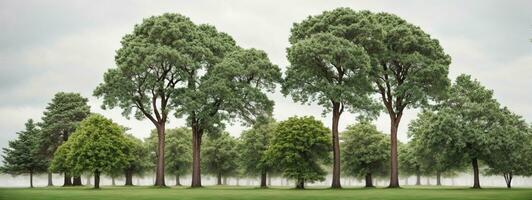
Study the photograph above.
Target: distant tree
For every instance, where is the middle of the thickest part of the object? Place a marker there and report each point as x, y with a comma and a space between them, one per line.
137, 160
408, 67
410, 161
365, 151
220, 155
299, 147
98, 146
61, 118
22, 155
252, 149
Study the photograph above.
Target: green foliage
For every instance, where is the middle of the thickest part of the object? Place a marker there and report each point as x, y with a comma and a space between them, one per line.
220, 155
409, 159
299, 146
138, 156
178, 150
253, 146
22, 155
365, 150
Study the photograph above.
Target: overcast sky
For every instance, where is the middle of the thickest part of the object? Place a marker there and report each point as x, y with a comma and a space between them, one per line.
52, 46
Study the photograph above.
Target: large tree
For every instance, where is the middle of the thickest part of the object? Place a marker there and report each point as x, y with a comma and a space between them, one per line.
408, 67
252, 149
61, 118
149, 71
332, 72
364, 151
23, 154
220, 155
98, 146
299, 147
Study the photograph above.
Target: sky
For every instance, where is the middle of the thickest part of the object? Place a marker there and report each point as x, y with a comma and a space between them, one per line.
52, 46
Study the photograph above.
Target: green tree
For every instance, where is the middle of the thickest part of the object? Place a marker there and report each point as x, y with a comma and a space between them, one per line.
299, 147
252, 149
408, 67
220, 155
61, 118
137, 160
331, 71
98, 146
23, 155
410, 161
364, 151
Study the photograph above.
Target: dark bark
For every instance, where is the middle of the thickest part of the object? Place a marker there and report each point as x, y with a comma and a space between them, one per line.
96, 180
68, 180
219, 179
508, 179
438, 178
76, 181
418, 177
196, 160
394, 172
50, 183
263, 180
159, 174
300, 184
337, 111
476, 182
129, 177
369, 180
31, 179
177, 182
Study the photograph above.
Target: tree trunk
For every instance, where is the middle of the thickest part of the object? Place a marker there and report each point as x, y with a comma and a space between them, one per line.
508, 179
219, 179
113, 181
68, 180
88, 179
77, 181
438, 178
394, 172
129, 177
159, 174
336, 146
300, 184
50, 183
418, 177
369, 180
96, 179
177, 182
224, 180
31, 179
476, 182
263, 180
196, 160
269, 179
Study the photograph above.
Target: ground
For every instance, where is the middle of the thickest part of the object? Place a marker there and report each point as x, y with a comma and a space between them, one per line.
221, 193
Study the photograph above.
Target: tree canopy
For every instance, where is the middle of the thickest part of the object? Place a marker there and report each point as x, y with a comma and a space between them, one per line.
220, 156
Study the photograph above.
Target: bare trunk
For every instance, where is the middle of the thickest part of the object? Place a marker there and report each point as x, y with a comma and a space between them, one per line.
394, 172
77, 181
438, 178
177, 182
508, 179
219, 179
50, 183
68, 180
31, 179
476, 182
369, 180
196, 160
336, 146
263, 180
300, 184
113, 181
129, 177
418, 176
159, 174
96, 180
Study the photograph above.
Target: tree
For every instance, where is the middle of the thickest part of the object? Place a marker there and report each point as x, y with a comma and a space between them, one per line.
252, 149
137, 159
298, 148
61, 119
220, 155
408, 67
98, 146
364, 151
410, 161
22, 155
148, 73
331, 71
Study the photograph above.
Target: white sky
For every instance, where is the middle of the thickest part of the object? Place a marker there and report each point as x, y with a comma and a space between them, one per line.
47, 47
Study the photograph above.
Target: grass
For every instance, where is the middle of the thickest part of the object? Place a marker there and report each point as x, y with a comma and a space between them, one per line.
222, 193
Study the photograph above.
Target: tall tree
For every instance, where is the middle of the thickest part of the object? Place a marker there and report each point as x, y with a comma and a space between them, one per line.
364, 151
252, 149
148, 72
23, 155
220, 155
61, 118
98, 146
331, 71
408, 67
299, 147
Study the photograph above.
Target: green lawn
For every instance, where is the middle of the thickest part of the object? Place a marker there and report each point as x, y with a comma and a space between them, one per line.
221, 193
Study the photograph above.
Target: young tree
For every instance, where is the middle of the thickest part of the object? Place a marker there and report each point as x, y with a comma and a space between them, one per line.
298, 148
98, 146
137, 160
22, 155
61, 119
252, 149
408, 67
364, 151
331, 71
220, 155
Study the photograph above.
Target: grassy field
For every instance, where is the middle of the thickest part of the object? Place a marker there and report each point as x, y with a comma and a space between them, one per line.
222, 193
